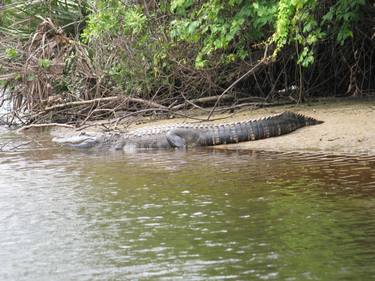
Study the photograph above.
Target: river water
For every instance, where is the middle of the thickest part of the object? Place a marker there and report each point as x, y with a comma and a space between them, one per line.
183, 215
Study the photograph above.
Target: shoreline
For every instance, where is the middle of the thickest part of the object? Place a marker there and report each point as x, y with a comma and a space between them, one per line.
348, 128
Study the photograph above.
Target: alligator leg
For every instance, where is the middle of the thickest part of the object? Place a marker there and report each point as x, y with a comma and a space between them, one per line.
175, 140
120, 145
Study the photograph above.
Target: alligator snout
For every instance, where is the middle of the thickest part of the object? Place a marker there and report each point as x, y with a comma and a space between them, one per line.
83, 140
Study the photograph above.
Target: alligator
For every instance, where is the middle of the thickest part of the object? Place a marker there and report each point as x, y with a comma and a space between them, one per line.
190, 135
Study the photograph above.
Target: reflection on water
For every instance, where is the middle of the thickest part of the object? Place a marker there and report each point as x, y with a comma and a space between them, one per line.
176, 215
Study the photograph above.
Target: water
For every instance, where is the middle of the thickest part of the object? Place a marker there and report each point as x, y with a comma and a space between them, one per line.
196, 215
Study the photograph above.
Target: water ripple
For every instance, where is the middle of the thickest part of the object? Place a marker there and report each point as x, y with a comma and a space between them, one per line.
177, 215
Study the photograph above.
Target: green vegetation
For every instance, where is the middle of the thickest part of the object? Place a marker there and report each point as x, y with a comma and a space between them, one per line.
178, 50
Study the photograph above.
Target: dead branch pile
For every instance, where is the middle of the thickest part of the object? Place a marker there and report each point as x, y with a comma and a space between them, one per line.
56, 81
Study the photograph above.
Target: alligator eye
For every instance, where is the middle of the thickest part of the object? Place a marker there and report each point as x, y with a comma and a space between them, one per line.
82, 134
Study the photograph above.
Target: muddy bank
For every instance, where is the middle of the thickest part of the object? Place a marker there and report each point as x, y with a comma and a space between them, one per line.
348, 128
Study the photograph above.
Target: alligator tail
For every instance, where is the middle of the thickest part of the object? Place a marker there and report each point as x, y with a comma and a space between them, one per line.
271, 126
303, 119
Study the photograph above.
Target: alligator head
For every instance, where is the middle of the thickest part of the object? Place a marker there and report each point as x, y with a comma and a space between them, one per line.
83, 140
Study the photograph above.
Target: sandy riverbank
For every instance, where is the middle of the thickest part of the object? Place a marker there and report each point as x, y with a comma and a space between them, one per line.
349, 128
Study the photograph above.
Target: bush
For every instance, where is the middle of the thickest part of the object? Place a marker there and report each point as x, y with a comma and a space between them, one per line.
178, 50
200, 47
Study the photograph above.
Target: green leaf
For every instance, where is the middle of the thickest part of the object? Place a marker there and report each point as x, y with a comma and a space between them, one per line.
44, 63
11, 53
193, 26
30, 77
